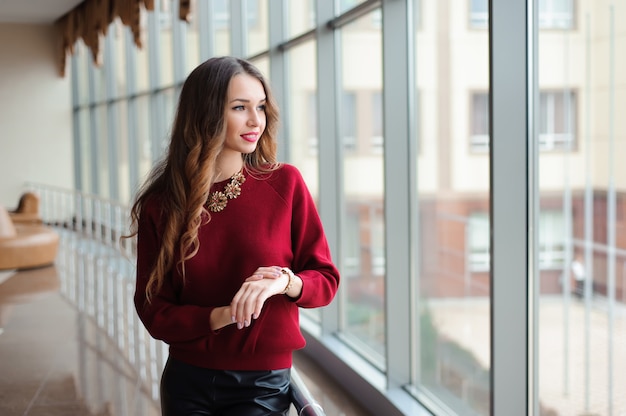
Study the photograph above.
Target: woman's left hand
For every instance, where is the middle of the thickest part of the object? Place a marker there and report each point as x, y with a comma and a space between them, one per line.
249, 299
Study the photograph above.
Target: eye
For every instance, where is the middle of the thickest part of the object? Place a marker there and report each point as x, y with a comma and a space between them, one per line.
239, 107
261, 107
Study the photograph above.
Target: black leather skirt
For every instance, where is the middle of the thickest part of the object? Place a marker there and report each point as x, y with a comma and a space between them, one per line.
187, 390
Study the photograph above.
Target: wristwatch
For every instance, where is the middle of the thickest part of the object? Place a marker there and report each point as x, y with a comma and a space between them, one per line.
292, 277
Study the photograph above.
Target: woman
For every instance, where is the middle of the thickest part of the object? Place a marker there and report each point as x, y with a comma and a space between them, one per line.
229, 245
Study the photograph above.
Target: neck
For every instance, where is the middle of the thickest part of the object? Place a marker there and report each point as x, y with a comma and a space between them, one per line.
228, 167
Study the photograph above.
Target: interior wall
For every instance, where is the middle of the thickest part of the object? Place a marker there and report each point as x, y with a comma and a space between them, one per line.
35, 112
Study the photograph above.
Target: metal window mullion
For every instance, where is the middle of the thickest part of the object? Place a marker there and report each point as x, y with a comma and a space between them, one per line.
157, 106
112, 119
237, 29
330, 202
179, 46
94, 121
206, 28
611, 215
278, 71
398, 105
510, 190
76, 136
133, 129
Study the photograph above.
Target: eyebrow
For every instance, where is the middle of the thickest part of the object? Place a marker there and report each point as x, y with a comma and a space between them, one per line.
243, 100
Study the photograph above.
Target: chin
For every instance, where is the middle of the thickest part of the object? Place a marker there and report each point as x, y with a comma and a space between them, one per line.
250, 148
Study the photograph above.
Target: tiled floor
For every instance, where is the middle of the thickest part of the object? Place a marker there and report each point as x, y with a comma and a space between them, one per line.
57, 360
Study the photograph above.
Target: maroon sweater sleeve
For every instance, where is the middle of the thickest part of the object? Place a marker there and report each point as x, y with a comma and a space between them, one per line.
312, 258
164, 317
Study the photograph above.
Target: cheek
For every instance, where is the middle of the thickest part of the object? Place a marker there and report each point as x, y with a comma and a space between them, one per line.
232, 125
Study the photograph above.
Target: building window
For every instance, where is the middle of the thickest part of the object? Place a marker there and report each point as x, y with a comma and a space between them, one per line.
557, 120
312, 120
553, 14
377, 141
221, 13
479, 123
478, 240
552, 239
348, 121
556, 14
479, 14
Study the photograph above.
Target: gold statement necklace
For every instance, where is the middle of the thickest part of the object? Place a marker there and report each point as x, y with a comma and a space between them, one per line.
219, 199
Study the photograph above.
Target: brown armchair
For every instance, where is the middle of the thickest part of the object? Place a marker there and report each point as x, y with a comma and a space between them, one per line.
27, 210
25, 245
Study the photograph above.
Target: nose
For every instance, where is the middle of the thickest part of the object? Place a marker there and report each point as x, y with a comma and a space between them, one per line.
254, 119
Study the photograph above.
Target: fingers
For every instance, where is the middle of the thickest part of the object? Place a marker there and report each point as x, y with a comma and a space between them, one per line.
248, 302
271, 272
250, 298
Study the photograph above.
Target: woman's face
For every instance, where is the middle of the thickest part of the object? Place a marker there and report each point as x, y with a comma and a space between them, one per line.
245, 114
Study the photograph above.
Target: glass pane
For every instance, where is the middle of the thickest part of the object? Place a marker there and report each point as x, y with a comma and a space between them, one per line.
85, 149
221, 23
102, 152
143, 60
556, 14
263, 65
121, 135
164, 18
452, 132
99, 79
363, 237
582, 201
257, 26
143, 137
192, 48
116, 31
301, 17
302, 135
82, 59
345, 5
479, 14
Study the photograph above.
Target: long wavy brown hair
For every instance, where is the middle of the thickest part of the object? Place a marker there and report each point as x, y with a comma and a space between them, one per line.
183, 178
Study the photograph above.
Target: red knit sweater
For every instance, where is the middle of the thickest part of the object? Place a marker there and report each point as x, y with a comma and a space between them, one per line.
273, 222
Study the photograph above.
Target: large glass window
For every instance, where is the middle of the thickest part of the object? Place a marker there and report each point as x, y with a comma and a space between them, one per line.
582, 279
453, 322
302, 111
581, 195
364, 275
